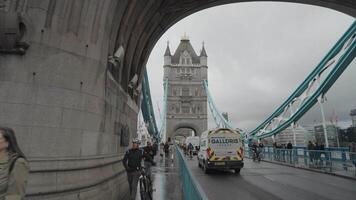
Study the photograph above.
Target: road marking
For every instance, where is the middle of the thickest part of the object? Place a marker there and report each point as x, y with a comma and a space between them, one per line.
269, 178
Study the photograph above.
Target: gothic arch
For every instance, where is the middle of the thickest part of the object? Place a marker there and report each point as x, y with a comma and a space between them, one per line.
141, 24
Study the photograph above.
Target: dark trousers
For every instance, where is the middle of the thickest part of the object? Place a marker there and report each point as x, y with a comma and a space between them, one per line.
148, 169
133, 177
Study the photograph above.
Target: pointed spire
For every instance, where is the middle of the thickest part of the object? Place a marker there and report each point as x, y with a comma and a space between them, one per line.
203, 52
185, 37
168, 51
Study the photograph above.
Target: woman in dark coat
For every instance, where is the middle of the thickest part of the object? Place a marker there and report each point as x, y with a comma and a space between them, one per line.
14, 167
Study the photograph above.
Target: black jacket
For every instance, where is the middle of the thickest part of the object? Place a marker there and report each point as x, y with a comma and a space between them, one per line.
132, 160
148, 154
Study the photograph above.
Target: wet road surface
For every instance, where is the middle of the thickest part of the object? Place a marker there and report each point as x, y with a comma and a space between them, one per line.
167, 183
270, 181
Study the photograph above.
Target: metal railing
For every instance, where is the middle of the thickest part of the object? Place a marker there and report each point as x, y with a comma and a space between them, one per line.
191, 188
338, 162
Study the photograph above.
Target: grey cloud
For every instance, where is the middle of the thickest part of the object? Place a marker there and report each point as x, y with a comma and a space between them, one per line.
258, 53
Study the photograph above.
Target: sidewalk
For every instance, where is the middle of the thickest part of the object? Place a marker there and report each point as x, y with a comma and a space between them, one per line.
167, 182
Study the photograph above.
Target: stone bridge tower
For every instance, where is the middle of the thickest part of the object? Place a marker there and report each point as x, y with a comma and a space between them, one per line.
186, 98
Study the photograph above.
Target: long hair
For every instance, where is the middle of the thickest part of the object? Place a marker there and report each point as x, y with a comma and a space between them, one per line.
9, 136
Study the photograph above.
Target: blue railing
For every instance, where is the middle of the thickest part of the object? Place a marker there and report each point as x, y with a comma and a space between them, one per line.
338, 161
191, 187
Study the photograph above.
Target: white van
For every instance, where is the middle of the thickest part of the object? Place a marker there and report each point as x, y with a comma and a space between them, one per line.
221, 149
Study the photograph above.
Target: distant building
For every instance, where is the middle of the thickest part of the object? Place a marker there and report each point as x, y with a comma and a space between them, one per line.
347, 136
142, 133
185, 72
310, 133
332, 132
353, 117
302, 136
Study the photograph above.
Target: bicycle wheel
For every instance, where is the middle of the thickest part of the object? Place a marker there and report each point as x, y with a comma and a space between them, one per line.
149, 188
145, 189
142, 189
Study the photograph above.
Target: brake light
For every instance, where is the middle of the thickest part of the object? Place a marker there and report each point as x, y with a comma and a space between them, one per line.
240, 152
209, 152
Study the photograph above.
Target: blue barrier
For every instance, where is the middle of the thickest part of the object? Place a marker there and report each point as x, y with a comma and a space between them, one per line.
337, 160
191, 187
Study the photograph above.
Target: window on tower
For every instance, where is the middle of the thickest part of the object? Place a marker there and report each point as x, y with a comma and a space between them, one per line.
177, 109
186, 109
185, 92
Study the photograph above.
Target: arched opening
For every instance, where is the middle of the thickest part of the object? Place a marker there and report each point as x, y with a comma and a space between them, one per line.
264, 83
150, 21
181, 134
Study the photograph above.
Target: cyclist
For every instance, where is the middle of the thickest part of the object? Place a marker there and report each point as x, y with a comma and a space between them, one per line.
132, 163
255, 151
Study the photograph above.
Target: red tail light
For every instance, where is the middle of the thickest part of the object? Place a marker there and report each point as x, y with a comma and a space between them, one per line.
209, 152
242, 152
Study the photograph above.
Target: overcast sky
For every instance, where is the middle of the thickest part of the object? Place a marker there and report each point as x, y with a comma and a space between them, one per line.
258, 54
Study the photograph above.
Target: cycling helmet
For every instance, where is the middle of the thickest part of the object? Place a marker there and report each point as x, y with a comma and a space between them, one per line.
136, 140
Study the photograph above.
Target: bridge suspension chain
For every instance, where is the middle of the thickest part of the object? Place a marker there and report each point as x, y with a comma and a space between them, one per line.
219, 119
162, 129
147, 108
313, 88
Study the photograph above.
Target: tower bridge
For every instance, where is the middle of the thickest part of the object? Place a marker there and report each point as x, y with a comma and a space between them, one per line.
71, 75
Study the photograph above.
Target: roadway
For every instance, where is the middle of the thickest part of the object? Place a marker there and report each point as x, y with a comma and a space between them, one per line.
271, 181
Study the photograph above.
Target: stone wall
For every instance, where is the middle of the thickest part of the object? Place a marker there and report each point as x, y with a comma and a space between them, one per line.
70, 116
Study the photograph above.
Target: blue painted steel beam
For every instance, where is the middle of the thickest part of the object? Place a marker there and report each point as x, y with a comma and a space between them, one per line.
147, 107
340, 66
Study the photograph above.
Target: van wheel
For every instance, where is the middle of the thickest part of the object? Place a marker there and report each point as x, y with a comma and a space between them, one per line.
237, 171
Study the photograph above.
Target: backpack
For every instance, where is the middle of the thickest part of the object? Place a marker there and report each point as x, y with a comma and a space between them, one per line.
12, 161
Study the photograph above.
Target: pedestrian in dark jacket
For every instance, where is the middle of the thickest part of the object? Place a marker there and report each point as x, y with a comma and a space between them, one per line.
132, 163
148, 157
290, 149
311, 149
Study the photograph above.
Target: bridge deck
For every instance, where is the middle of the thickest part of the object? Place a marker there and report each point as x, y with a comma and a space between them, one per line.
271, 181
167, 183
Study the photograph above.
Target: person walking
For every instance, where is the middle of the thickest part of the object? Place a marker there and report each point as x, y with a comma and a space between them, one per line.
148, 156
353, 153
166, 149
290, 149
161, 150
311, 148
190, 149
155, 148
317, 154
132, 164
14, 167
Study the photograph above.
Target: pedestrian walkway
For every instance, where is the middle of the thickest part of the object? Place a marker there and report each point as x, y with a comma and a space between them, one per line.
167, 183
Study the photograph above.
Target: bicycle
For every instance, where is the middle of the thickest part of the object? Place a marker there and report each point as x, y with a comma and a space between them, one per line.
256, 155
191, 154
145, 186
